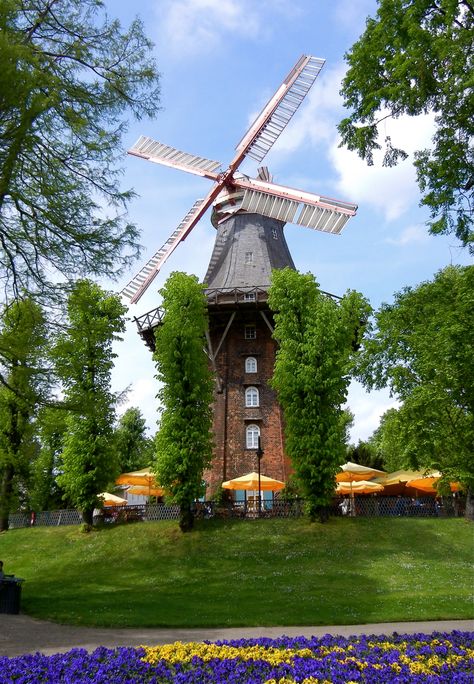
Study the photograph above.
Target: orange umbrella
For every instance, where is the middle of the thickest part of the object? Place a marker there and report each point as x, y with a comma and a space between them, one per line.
141, 490
428, 482
353, 472
145, 476
360, 487
111, 500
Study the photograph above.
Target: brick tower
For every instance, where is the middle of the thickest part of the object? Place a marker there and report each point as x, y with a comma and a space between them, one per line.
241, 348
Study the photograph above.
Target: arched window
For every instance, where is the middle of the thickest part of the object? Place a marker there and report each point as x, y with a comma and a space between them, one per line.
250, 364
251, 396
252, 434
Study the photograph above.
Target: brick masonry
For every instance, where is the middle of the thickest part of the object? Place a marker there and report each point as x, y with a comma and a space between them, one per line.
232, 458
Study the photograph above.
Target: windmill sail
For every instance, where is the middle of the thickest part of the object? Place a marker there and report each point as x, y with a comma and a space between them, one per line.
144, 278
268, 126
157, 152
243, 194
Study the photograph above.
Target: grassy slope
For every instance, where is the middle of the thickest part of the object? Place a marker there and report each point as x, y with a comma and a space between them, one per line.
265, 572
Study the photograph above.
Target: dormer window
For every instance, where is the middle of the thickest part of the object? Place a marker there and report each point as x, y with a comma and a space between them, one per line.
274, 234
249, 257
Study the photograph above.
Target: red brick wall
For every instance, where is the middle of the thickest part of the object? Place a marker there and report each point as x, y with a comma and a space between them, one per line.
231, 416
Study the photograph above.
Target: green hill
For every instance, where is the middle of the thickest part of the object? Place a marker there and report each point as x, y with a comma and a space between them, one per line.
260, 572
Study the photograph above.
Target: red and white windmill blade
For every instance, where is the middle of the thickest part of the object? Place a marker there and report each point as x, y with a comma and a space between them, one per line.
259, 196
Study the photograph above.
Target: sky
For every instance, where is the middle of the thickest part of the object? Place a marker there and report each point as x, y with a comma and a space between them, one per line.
220, 61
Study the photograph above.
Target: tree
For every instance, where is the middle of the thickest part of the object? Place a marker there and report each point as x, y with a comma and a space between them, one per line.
135, 450
317, 340
50, 430
68, 75
183, 441
365, 453
84, 361
422, 349
415, 57
388, 443
23, 342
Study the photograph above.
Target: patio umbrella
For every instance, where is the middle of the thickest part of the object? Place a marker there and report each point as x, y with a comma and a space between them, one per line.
112, 499
141, 490
396, 483
353, 472
137, 477
427, 483
359, 487
250, 481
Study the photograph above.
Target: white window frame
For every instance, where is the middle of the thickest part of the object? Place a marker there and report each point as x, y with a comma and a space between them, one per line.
252, 433
250, 364
252, 397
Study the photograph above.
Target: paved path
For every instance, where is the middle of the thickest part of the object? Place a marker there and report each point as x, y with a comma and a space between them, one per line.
20, 634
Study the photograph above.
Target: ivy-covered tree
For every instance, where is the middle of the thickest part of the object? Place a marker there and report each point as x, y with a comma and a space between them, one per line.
23, 343
417, 56
68, 77
135, 450
183, 441
317, 339
84, 360
422, 350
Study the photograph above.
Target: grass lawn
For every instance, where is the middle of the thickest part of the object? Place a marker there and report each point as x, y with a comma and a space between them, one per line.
246, 573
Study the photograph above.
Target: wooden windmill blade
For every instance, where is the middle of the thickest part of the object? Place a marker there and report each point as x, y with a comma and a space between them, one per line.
144, 278
277, 113
154, 151
294, 206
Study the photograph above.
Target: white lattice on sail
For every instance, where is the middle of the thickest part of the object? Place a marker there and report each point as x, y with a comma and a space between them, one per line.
275, 116
137, 286
274, 206
322, 218
322, 214
170, 156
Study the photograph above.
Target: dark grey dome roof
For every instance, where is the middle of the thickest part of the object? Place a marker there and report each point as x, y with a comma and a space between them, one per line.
247, 248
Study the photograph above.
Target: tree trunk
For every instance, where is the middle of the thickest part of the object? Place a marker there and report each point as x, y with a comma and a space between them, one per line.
87, 516
6, 490
186, 519
469, 513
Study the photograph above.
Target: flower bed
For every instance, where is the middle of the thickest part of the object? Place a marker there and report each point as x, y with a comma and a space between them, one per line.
438, 657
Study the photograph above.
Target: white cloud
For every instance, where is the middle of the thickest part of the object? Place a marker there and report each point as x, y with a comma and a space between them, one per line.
410, 235
367, 409
194, 26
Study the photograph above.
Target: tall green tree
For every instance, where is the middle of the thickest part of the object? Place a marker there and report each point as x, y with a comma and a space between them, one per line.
317, 340
183, 441
134, 448
417, 56
84, 360
68, 77
23, 344
422, 348
50, 430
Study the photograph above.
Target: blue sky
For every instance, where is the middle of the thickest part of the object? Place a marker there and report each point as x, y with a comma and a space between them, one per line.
220, 61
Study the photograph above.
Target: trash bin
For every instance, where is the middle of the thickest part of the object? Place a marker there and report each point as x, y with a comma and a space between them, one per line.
10, 595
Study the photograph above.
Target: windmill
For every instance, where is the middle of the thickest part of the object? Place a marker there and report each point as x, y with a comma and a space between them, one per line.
253, 195
249, 215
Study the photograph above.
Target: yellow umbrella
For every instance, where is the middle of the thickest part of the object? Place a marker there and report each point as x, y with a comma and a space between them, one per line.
353, 472
250, 481
359, 487
141, 490
112, 499
138, 477
427, 483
